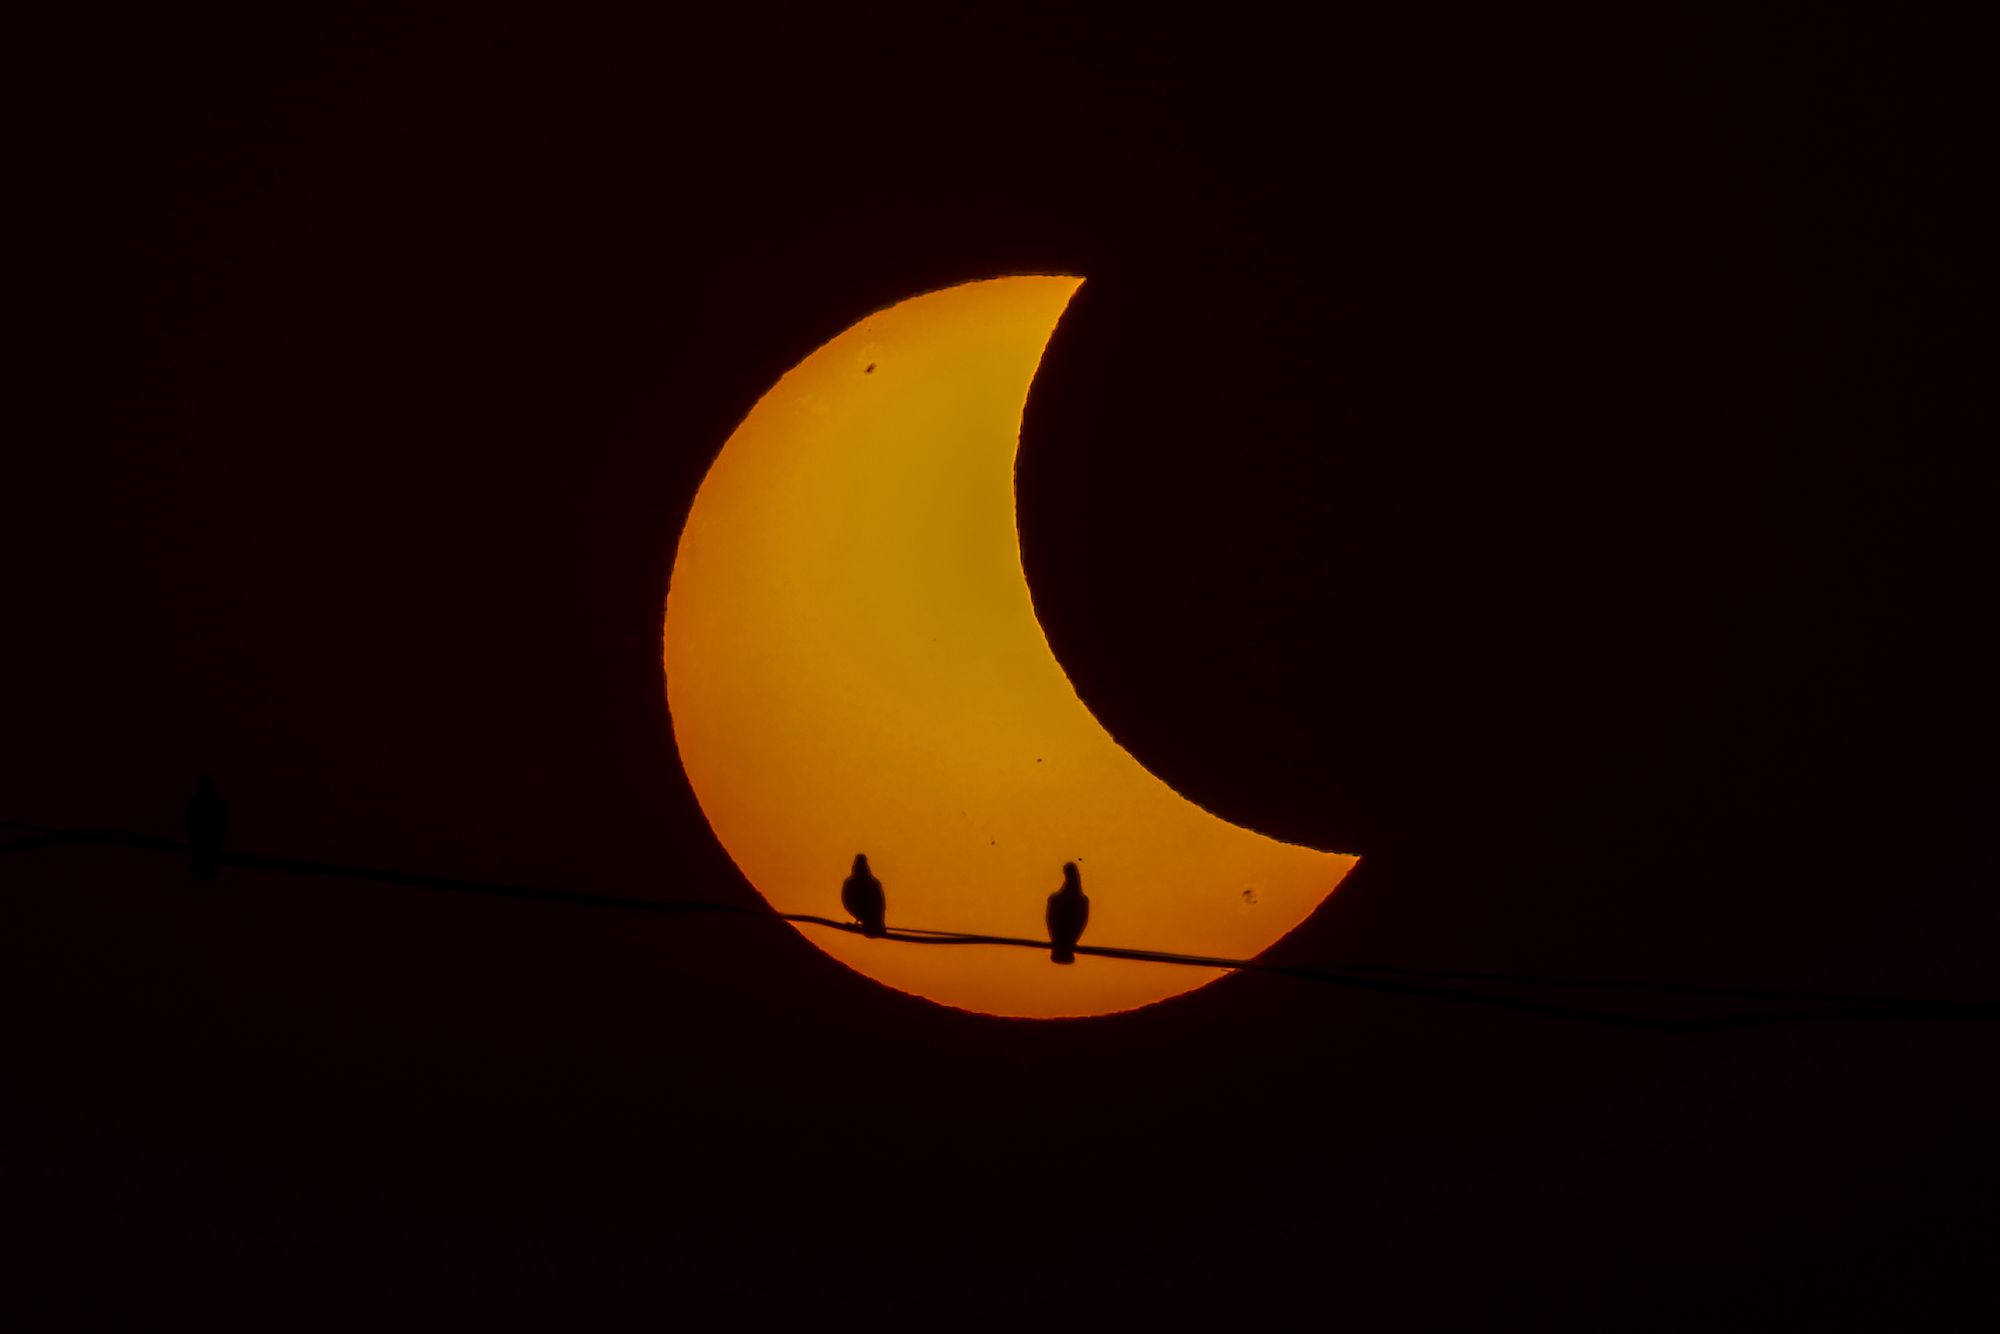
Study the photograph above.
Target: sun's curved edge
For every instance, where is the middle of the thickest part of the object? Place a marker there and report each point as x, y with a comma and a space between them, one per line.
1209, 977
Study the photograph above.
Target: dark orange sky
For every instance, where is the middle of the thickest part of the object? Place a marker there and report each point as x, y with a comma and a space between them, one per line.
1492, 434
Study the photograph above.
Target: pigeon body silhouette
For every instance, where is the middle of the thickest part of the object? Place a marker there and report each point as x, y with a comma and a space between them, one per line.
1069, 912
207, 818
862, 896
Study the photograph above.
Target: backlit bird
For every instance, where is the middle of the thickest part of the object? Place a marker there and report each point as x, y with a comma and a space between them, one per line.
862, 896
1069, 910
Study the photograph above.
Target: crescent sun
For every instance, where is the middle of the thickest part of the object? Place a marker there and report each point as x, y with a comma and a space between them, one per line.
853, 664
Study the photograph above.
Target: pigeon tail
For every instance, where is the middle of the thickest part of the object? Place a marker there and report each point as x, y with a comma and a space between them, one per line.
1062, 954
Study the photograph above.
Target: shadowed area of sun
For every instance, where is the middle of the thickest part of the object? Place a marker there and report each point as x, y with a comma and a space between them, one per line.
854, 665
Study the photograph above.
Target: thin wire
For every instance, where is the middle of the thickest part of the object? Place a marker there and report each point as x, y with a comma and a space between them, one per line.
1806, 1006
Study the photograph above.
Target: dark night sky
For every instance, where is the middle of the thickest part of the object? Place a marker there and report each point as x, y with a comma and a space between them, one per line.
1529, 453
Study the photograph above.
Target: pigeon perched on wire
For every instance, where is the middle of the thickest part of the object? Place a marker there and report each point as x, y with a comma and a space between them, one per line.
1069, 911
207, 818
862, 896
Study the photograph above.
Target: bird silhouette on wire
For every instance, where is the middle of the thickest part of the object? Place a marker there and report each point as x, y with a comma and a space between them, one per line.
862, 896
207, 818
1069, 911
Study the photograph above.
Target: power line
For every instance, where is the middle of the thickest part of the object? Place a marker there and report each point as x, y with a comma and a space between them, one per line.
1804, 1006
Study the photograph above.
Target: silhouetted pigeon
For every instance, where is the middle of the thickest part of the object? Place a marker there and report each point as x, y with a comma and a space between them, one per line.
862, 896
207, 817
1069, 910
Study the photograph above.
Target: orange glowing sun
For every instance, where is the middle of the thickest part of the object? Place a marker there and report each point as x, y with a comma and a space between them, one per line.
854, 665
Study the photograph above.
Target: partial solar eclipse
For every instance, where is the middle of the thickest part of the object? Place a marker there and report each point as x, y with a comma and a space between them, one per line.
854, 666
